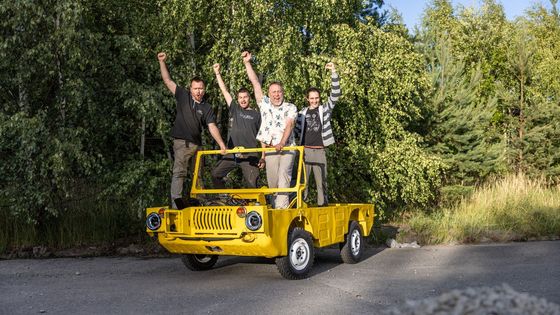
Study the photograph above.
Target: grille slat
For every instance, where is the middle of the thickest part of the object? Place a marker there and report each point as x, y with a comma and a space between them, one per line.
220, 217
196, 220
228, 223
212, 220
205, 223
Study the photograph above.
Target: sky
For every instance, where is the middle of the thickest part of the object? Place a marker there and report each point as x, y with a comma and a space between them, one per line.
411, 10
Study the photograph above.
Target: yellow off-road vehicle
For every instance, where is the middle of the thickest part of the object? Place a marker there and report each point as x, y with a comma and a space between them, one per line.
240, 222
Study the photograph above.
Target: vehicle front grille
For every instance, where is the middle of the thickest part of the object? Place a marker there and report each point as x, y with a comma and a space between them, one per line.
214, 220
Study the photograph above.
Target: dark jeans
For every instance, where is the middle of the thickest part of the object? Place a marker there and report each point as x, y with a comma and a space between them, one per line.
248, 164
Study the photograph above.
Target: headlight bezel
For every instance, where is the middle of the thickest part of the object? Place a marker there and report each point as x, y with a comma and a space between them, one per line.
250, 222
153, 221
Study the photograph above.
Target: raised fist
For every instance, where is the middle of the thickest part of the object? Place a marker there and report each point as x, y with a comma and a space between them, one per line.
246, 56
216, 68
329, 66
161, 56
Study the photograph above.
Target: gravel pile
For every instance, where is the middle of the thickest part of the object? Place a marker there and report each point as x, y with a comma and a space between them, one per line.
391, 243
496, 301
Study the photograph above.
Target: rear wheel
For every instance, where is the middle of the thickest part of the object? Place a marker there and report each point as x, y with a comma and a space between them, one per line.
301, 253
352, 250
199, 262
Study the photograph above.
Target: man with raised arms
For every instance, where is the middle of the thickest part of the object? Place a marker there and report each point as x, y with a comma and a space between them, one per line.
244, 123
193, 113
278, 119
314, 131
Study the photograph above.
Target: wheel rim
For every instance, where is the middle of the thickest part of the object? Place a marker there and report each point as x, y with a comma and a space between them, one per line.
202, 258
299, 254
355, 242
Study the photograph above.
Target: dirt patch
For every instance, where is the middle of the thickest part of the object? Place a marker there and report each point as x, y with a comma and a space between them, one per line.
149, 249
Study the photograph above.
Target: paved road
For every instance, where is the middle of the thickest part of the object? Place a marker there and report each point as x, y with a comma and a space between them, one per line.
239, 285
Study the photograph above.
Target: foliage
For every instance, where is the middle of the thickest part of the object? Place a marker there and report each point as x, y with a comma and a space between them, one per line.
540, 33
460, 128
73, 91
512, 208
380, 139
491, 111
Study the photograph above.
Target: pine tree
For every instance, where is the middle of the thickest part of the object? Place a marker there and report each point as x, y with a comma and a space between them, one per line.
461, 129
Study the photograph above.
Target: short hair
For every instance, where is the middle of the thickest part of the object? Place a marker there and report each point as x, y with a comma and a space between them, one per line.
197, 79
277, 83
312, 89
243, 90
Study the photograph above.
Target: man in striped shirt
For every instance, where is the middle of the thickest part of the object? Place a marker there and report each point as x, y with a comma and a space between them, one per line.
314, 130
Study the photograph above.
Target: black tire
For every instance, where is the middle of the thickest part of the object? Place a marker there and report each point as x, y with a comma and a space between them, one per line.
353, 248
301, 254
199, 262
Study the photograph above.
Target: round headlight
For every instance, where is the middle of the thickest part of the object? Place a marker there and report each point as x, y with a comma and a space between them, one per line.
153, 222
253, 221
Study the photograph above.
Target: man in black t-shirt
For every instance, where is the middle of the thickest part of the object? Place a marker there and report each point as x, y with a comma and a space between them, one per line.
314, 130
193, 113
244, 123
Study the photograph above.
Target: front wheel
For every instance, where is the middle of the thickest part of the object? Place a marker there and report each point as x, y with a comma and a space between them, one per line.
199, 262
352, 250
301, 254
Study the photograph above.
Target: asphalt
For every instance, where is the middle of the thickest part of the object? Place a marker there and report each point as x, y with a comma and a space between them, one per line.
245, 285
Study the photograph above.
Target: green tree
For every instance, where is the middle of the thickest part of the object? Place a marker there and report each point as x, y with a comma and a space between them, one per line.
533, 92
460, 128
73, 76
386, 84
461, 124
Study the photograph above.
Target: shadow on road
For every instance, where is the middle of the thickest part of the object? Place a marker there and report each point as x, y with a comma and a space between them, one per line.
226, 261
325, 259
329, 257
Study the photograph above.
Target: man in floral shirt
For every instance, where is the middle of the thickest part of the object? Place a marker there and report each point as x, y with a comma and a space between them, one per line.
278, 119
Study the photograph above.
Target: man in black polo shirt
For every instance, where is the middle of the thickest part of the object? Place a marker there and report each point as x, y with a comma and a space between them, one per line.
244, 123
193, 113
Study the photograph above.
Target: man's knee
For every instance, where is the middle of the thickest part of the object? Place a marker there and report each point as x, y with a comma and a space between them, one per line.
180, 173
252, 180
215, 174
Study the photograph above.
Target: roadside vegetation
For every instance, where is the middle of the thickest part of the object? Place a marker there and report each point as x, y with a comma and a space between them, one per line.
514, 208
91, 222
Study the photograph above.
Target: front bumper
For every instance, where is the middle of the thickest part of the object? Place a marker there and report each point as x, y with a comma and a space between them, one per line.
251, 244
216, 230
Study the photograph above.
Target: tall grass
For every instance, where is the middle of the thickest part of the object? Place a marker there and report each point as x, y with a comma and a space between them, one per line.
511, 208
86, 222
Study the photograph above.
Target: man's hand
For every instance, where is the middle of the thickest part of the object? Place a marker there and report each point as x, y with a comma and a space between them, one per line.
279, 146
216, 68
330, 66
171, 86
246, 56
262, 163
257, 88
223, 149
